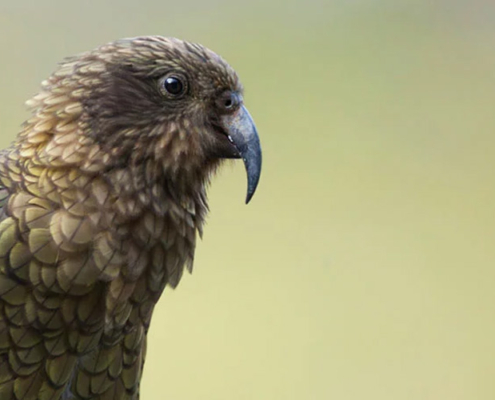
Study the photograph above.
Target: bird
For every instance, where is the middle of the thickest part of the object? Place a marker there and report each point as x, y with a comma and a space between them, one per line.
102, 196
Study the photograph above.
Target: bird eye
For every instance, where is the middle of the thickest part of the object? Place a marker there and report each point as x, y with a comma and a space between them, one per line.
173, 85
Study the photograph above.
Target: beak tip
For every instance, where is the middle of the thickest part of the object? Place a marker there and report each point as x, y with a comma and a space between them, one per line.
249, 197
251, 189
253, 174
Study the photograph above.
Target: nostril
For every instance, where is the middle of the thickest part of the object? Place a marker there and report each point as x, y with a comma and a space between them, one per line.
228, 101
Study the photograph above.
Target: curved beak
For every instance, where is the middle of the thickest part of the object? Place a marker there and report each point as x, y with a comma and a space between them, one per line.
242, 134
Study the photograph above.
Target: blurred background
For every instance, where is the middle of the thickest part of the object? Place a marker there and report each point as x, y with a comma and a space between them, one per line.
364, 268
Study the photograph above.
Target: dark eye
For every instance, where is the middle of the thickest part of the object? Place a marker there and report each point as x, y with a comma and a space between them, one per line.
173, 85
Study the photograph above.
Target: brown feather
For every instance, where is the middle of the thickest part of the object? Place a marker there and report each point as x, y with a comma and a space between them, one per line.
101, 198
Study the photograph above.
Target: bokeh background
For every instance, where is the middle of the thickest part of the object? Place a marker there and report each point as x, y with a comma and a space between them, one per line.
364, 268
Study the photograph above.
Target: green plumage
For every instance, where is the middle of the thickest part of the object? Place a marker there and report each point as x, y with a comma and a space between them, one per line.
101, 198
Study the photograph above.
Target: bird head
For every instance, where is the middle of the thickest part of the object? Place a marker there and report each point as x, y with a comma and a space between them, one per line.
174, 107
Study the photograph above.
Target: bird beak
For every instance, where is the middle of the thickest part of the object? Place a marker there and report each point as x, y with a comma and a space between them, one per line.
242, 133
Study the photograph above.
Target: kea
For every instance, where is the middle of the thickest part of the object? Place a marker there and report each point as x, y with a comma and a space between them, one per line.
102, 196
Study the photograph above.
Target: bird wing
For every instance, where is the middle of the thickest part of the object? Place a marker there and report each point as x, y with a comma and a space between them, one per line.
4, 181
61, 295
4, 198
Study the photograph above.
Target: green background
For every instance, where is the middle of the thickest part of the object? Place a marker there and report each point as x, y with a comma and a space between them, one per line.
364, 268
